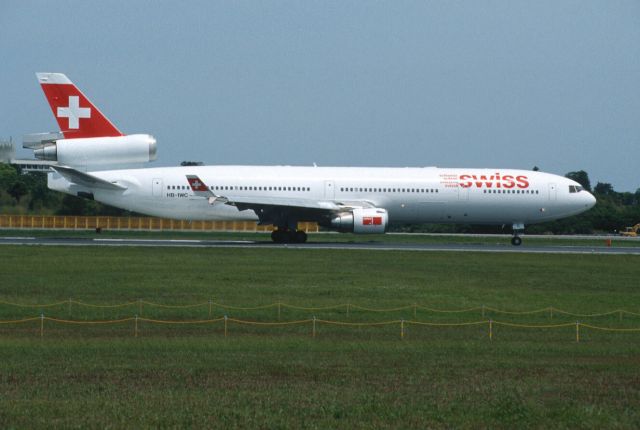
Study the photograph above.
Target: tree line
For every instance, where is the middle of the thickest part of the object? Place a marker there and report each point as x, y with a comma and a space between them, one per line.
28, 194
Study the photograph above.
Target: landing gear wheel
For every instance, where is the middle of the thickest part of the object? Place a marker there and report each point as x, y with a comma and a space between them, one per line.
280, 236
300, 236
288, 236
516, 241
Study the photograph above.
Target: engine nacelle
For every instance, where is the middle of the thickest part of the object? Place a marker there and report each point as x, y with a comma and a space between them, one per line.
362, 221
95, 151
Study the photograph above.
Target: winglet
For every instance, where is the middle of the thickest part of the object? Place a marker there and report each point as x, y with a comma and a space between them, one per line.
200, 189
76, 116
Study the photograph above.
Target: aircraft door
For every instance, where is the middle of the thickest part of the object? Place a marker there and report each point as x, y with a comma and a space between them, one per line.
157, 187
329, 190
553, 192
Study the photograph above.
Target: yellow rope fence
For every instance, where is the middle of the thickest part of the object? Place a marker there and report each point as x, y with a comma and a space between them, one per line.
315, 322
348, 306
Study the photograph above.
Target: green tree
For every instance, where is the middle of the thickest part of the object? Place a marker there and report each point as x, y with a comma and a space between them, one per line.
42, 198
8, 176
604, 189
18, 189
72, 205
12, 183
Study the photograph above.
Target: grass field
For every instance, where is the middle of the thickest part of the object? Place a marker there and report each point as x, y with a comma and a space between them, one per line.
345, 377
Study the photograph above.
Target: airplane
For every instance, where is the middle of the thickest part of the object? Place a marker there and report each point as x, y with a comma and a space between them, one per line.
360, 200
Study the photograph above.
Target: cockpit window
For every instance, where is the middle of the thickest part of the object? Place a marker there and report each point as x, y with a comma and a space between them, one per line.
575, 188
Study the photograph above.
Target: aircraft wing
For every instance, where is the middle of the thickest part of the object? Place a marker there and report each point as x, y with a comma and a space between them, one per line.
283, 202
86, 179
271, 209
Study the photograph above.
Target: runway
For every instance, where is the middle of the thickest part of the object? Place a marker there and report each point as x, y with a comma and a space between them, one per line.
371, 246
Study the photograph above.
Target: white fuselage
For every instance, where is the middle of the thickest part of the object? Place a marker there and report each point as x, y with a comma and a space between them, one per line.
410, 195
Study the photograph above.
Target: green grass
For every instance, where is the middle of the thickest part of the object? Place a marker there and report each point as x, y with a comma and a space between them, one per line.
345, 377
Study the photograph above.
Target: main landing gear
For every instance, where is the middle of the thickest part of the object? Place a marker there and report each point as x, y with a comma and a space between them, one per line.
288, 236
518, 228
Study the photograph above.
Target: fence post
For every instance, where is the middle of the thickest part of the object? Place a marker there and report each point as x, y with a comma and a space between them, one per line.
401, 329
225, 326
490, 329
314, 326
42, 324
135, 331
577, 331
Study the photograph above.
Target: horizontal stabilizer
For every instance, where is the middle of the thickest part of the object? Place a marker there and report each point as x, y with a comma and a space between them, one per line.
85, 179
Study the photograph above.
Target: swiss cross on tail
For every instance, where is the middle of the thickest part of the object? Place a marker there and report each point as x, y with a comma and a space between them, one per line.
76, 116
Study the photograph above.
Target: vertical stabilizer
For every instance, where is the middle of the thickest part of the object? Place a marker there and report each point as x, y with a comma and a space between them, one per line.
76, 115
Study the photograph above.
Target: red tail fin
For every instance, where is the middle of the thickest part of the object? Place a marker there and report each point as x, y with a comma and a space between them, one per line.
76, 115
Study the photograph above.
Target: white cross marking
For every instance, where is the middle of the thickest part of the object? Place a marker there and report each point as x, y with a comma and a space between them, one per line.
196, 184
74, 112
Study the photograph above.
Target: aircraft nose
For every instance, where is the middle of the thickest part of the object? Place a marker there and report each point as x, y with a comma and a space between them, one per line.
590, 200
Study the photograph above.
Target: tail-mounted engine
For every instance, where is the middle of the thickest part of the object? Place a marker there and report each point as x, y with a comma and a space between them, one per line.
361, 221
95, 151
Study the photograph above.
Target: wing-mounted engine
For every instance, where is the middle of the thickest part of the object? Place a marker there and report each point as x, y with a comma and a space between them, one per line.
361, 221
96, 151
